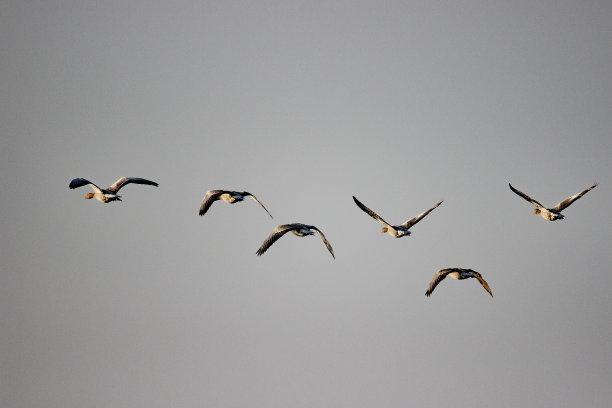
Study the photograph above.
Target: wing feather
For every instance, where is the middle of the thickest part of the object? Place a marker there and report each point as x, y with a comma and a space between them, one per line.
437, 278
419, 217
483, 283
276, 233
327, 244
80, 182
245, 193
370, 212
209, 198
526, 197
568, 201
129, 180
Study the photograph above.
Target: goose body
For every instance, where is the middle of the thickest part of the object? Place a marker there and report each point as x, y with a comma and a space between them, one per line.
106, 195
301, 230
456, 273
396, 231
228, 196
554, 213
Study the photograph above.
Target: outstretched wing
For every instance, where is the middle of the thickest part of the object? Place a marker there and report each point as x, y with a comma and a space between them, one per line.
569, 200
438, 277
329, 248
245, 193
483, 283
127, 180
208, 200
370, 212
419, 217
80, 182
275, 235
526, 197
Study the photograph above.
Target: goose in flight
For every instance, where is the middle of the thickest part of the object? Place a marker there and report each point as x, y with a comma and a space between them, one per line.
298, 229
227, 196
554, 213
110, 193
456, 273
396, 231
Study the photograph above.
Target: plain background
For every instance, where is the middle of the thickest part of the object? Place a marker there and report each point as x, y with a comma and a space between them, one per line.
304, 104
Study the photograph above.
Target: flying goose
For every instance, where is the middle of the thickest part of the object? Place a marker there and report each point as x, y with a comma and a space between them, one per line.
456, 273
227, 196
110, 193
554, 213
396, 231
298, 229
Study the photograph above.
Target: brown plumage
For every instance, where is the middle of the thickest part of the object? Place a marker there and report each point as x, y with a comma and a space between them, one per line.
396, 231
110, 193
228, 196
456, 273
298, 229
554, 213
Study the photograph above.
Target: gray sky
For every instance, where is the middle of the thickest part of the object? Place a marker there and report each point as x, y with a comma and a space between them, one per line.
304, 104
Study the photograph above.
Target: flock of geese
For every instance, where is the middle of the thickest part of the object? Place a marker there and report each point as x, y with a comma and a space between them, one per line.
110, 194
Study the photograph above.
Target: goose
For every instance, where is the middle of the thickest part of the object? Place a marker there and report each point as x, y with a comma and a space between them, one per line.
554, 213
298, 229
110, 193
227, 196
396, 231
456, 273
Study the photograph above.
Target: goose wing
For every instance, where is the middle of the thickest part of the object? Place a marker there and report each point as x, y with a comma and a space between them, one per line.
246, 193
327, 244
208, 200
275, 235
438, 277
483, 283
80, 182
526, 197
569, 200
370, 212
127, 180
419, 217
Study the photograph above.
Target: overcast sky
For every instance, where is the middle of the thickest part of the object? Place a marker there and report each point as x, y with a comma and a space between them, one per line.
304, 104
